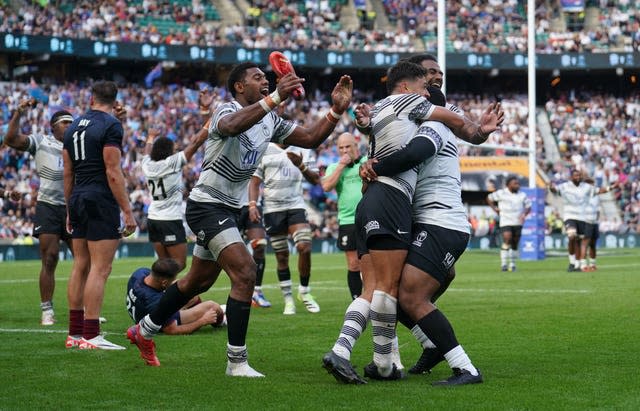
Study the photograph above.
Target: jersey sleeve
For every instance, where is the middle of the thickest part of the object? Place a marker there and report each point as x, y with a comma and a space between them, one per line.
282, 129
223, 110
432, 135
34, 143
113, 135
422, 111
260, 170
495, 196
526, 202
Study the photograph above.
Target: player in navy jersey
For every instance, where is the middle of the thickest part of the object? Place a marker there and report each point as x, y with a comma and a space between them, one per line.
50, 219
239, 134
163, 170
144, 291
94, 189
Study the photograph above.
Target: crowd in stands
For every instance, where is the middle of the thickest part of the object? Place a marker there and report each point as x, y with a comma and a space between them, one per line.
598, 134
472, 25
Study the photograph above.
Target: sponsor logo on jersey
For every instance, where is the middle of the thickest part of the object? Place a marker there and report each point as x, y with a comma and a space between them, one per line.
201, 235
170, 237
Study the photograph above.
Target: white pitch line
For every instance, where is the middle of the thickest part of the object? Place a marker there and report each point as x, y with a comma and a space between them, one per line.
519, 290
44, 331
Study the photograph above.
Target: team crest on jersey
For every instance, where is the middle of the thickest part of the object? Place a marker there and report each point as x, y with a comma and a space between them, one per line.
265, 130
201, 235
344, 240
422, 235
372, 225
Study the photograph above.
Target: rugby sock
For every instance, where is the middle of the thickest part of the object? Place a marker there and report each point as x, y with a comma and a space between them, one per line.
583, 263
284, 277
237, 321
592, 262
260, 262
572, 259
511, 253
422, 338
304, 281
355, 322
148, 328
438, 329
383, 323
172, 300
46, 305
76, 322
303, 289
404, 319
91, 328
457, 358
355, 283
503, 256
237, 354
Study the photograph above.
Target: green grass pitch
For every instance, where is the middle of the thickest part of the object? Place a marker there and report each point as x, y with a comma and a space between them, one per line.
544, 339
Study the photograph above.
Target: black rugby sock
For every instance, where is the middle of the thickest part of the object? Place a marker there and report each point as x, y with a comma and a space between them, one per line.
237, 321
172, 300
355, 283
436, 326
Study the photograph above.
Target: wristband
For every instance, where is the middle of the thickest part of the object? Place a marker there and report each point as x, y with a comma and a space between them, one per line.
303, 168
331, 119
252, 204
363, 125
334, 114
207, 124
275, 97
7, 193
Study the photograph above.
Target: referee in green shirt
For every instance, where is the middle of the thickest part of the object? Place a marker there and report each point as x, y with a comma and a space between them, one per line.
344, 177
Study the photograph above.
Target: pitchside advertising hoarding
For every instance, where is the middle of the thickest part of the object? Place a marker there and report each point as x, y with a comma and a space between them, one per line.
92, 49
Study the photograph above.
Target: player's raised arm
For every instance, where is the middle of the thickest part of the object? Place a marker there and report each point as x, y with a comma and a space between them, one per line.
313, 136
14, 138
254, 107
469, 130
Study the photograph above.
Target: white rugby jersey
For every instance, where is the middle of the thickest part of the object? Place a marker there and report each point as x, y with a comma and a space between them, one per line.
164, 179
282, 180
575, 199
511, 205
394, 121
47, 152
230, 161
592, 209
438, 194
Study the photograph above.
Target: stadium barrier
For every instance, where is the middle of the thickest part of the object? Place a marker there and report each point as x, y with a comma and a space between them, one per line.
45, 45
15, 252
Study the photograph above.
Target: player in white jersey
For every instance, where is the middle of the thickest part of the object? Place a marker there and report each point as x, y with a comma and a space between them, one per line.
513, 206
50, 218
163, 171
282, 172
239, 134
575, 196
440, 233
592, 231
383, 218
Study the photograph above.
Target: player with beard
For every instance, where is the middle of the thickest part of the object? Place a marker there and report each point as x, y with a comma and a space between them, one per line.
239, 134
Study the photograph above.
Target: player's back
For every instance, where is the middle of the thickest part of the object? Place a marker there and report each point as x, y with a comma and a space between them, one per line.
438, 194
394, 122
164, 178
85, 140
140, 295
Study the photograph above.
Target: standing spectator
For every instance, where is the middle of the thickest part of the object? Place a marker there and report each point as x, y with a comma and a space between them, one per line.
94, 189
50, 219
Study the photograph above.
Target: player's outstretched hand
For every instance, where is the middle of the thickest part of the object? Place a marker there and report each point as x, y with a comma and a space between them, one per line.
24, 105
205, 99
287, 84
341, 94
492, 118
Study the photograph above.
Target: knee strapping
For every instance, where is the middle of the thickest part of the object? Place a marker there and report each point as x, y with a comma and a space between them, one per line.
302, 235
279, 243
505, 246
258, 242
571, 233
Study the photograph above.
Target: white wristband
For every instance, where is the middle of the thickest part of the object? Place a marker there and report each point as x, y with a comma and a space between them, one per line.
275, 96
334, 114
265, 106
363, 125
7, 193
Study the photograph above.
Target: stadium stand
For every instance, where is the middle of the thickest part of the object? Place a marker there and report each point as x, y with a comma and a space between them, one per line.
403, 25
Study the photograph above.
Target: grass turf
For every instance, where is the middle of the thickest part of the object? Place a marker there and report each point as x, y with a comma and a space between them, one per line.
543, 338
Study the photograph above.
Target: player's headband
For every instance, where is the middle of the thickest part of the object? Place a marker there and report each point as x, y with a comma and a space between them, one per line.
62, 118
